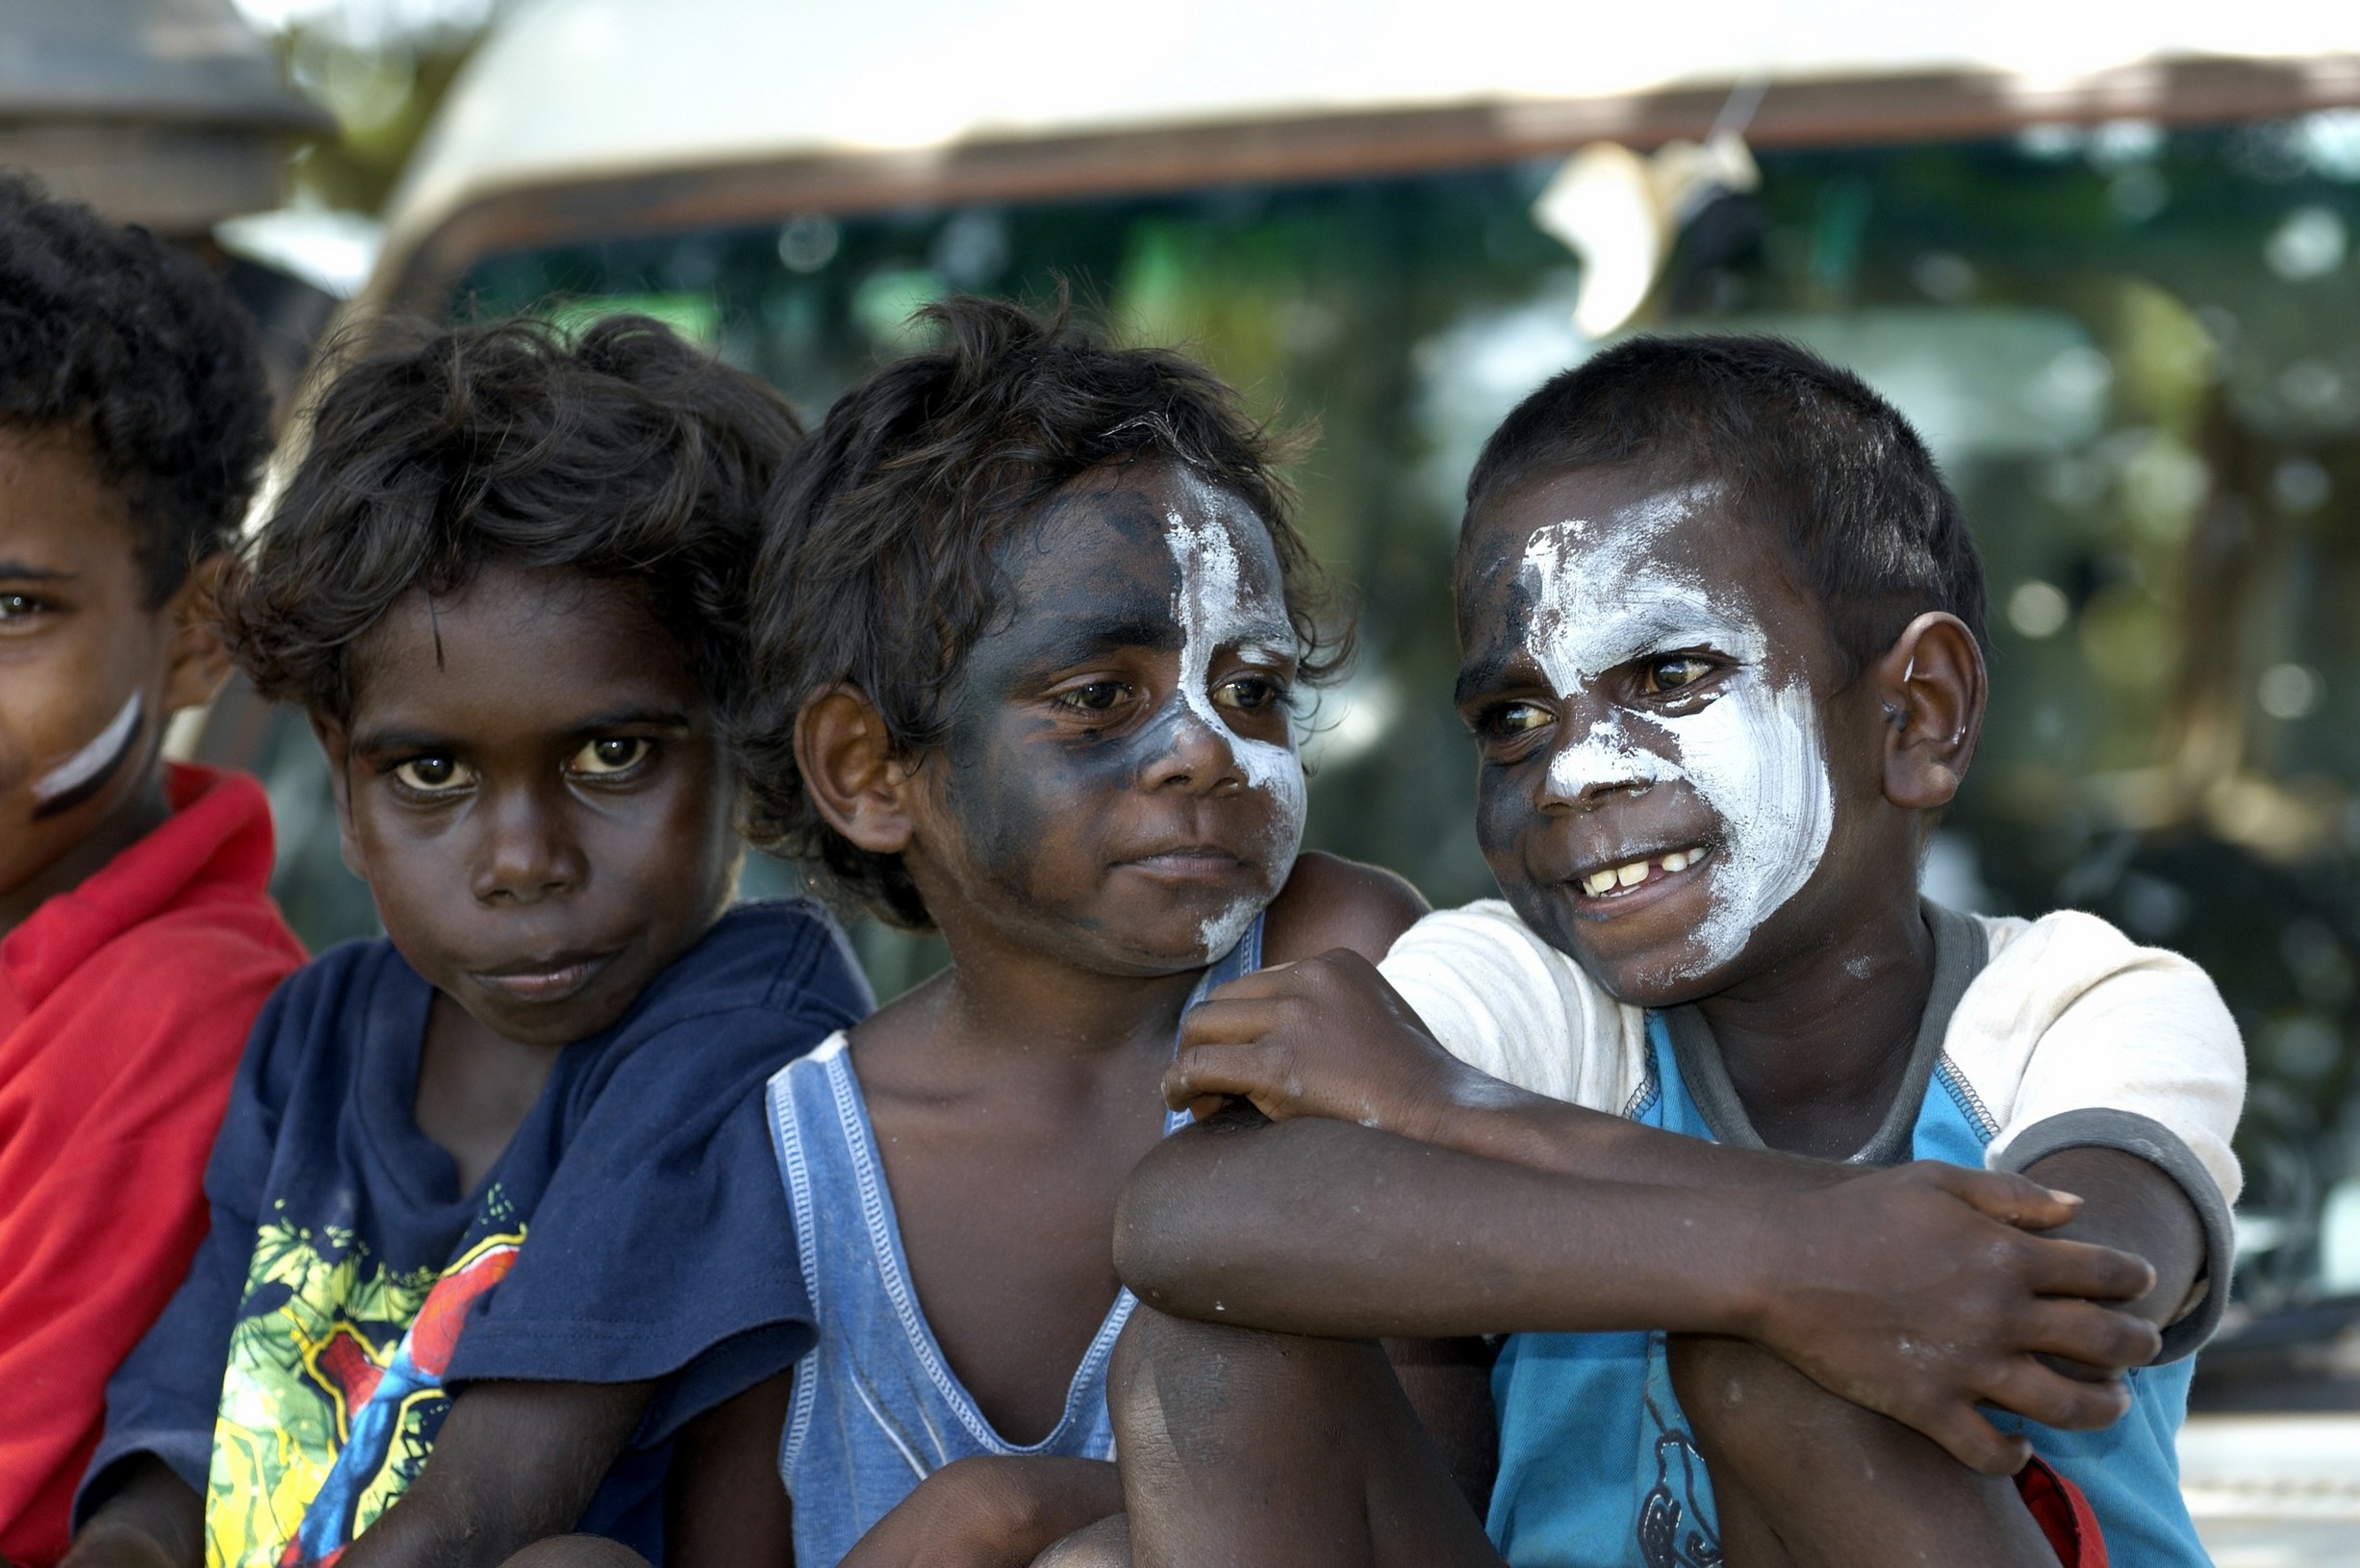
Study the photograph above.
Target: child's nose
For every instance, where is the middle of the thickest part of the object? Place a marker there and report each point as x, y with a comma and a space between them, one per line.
1598, 760
527, 854
1195, 753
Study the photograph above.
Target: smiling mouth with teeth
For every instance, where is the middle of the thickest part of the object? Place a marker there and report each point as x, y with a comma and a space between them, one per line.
1633, 874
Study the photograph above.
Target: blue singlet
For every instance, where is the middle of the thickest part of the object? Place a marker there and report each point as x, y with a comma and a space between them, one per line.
877, 1407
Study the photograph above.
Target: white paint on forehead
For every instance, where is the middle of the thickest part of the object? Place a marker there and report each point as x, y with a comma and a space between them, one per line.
1599, 597
1217, 608
87, 763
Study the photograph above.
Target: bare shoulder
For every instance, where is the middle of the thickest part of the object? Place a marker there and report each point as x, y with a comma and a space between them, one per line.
1333, 902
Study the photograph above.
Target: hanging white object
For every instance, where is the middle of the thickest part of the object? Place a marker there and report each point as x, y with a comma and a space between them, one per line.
1620, 213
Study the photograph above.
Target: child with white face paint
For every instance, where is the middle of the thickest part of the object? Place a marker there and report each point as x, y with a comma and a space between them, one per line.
1030, 622
137, 939
1598, 597
1720, 627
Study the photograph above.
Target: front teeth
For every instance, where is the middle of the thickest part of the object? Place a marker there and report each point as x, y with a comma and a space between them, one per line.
1597, 884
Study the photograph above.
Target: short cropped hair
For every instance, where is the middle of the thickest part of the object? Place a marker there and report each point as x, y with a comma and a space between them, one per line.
879, 565
112, 338
621, 453
1868, 524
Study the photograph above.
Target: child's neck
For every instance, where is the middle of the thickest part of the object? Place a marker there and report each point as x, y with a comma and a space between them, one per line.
1817, 1047
475, 1087
1002, 1008
138, 813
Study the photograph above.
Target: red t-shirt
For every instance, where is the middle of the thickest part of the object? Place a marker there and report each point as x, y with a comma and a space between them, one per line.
124, 1005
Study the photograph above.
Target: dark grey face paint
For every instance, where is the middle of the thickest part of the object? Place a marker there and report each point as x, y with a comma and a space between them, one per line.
1043, 800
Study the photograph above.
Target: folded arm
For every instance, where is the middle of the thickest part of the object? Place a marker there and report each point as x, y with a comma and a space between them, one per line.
514, 1463
1319, 1226
1329, 1037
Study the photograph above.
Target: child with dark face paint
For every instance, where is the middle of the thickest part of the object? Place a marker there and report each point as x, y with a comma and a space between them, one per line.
136, 937
1721, 625
1032, 627
495, 1237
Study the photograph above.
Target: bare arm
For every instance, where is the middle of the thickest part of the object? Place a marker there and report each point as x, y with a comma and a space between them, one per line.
1318, 1226
1327, 1036
514, 1464
152, 1519
724, 1505
990, 1512
1331, 903
2131, 1205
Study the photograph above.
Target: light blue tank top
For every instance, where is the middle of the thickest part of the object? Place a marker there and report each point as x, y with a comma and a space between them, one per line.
1597, 1465
877, 1407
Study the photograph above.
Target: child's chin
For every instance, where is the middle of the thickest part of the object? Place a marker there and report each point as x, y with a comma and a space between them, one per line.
1635, 966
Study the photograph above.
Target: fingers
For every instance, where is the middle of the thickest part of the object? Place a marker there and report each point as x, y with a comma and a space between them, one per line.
2050, 1398
2002, 1195
2087, 1270
1221, 1018
1970, 1437
1221, 1071
2096, 1336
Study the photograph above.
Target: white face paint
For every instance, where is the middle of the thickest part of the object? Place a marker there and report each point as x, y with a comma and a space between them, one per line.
94, 759
1218, 609
1601, 598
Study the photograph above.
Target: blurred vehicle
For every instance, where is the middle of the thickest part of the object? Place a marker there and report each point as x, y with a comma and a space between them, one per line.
169, 113
2105, 260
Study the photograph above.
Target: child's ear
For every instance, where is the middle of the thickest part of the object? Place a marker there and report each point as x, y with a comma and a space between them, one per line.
851, 772
332, 741
199, 660
1931, 683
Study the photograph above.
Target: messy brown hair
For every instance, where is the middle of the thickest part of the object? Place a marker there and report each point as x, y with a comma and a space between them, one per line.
621, 453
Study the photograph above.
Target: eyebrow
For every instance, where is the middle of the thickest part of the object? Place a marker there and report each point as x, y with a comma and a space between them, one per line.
24, 572
604, 723
1078, 641
1485, 674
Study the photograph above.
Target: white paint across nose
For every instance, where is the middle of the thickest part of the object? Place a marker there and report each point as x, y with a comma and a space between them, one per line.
1217, 609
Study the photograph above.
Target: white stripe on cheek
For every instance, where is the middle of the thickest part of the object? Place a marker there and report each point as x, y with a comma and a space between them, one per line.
84, 764
1754, 756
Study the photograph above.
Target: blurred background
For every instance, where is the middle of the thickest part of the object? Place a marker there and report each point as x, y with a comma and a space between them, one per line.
2106, 260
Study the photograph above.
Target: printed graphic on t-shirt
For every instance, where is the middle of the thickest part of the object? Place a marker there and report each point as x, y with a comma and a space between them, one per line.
334, 1390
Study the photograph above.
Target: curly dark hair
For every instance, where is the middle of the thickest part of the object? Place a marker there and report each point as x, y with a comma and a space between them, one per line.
879, 561
111, 335
1866, 517
622, 454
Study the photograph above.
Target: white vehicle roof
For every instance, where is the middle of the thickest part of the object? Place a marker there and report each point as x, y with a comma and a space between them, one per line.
568, 92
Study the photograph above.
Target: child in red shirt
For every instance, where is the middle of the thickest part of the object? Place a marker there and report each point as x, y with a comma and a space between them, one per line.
136, 939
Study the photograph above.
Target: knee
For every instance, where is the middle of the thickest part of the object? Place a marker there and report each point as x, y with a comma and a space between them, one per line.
576, 1552
1105, 1544
1738, 1397
1150, 1343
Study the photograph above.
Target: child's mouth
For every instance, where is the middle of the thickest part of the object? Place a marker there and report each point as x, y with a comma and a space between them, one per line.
552, 980
1621, 880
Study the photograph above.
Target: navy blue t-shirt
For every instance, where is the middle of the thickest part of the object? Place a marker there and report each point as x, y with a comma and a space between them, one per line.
634, 1230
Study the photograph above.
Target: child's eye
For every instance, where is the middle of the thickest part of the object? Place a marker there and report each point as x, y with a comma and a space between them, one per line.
434, 776
20, 607
1098, 697
1516, 718
608, 755
1671, 673
1248, 693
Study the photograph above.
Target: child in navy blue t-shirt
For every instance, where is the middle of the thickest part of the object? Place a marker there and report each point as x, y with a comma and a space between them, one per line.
495, 1226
